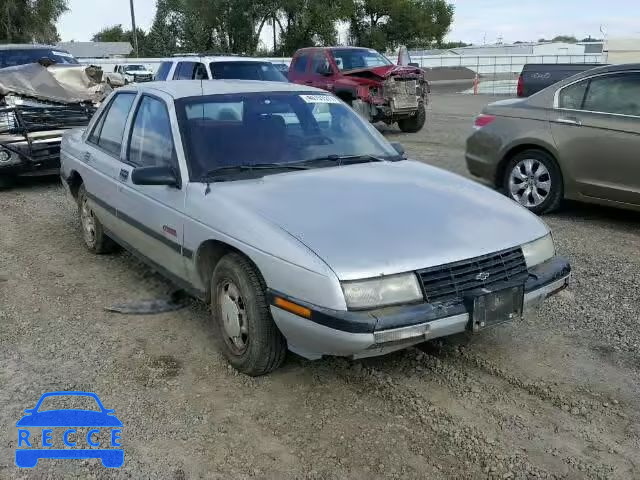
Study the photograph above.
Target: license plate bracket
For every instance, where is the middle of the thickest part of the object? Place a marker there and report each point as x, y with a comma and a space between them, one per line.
493, 308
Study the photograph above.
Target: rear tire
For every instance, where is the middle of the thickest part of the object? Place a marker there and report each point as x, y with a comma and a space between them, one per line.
414, 124
250, 339
93, 234
533, 179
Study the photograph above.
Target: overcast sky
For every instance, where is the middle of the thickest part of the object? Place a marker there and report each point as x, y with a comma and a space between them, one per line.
474, 21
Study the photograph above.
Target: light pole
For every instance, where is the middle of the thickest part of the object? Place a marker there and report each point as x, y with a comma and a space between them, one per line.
135, 32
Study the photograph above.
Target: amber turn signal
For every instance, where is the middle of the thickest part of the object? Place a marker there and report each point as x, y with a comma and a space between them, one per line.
292, 307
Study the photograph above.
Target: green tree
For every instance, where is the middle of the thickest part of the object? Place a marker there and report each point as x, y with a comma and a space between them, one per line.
24, 21
385, 24
116, 33
565, 39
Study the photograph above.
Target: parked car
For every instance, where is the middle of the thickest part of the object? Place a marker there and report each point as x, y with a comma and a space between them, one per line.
115, 80
134, 73
312, 234
195, 67
368, 81
578, 139
12, 55
538, 76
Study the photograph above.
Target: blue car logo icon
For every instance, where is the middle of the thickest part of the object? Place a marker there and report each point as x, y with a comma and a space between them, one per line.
28, 452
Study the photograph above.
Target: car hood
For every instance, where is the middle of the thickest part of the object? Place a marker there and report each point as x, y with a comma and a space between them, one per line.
69, 418
384, 72
376, 219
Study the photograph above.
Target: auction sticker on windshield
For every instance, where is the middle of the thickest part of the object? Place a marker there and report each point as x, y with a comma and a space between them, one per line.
320, 99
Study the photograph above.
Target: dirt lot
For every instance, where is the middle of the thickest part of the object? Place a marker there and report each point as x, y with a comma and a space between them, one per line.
554, 396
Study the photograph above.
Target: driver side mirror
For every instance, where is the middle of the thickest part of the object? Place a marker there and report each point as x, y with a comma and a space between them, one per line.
398, 147
156, 175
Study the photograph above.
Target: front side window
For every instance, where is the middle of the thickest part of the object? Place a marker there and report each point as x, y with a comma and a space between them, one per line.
320, 65
246, 71
618, 94
274, 128
572, 97
151, 141
108, 132
354, 58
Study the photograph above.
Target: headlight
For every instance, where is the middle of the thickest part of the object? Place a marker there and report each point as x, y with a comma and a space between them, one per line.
379, 292
539, 251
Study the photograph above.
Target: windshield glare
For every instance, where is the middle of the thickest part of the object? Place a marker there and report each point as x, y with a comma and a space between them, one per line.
351, 58
246, 71
274, 128
12, 58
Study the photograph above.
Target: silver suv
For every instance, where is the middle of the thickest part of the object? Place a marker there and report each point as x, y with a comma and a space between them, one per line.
226, 67
302, 227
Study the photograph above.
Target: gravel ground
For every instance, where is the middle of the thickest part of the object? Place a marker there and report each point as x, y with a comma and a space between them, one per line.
553, 396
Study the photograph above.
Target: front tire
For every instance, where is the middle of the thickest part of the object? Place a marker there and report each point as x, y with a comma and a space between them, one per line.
93, 234
415, 123
533, 179
251, 341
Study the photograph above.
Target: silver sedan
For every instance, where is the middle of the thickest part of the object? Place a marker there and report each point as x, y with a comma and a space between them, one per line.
300, 225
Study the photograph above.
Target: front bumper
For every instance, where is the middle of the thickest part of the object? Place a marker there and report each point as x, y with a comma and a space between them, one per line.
376, 332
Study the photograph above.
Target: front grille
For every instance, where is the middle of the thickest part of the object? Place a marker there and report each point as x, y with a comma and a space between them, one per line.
455, 280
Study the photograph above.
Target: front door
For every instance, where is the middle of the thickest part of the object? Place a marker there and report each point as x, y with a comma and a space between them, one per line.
102, 155
597, 132
152, 215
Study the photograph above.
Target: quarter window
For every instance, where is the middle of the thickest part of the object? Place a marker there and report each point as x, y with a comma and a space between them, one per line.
151, 137
301, 64
618, 94
163, 71
572, 96
108, 132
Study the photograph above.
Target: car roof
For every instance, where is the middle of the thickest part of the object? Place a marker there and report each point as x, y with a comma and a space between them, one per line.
315, 49
217, 58
28, 46
196, 88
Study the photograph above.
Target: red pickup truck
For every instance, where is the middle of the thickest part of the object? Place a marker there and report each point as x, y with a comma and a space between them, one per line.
368, 81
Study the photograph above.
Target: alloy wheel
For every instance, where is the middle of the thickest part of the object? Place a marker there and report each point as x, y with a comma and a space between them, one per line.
530, 182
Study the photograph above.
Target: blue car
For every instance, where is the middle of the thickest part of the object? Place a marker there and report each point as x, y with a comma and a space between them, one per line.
28, 457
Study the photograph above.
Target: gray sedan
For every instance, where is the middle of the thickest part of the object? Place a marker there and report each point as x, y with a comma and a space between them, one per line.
299, 224
578, 139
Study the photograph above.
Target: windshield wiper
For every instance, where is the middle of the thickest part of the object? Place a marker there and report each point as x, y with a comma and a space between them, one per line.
344, 159
250, 167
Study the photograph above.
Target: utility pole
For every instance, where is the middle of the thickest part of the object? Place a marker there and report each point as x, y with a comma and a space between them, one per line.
135, 32
274, 34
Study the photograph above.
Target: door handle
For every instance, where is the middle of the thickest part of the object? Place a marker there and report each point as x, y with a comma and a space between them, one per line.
569, 121
124, 174
87, 157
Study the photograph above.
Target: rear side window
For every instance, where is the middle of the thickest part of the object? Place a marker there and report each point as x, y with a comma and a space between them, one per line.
301, 64
108, 132
190, 71
163, 71
151, 137
618, 94
572, 97
246, 71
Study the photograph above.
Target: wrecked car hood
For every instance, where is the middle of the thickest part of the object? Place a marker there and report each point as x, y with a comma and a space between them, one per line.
57, 83
385, 72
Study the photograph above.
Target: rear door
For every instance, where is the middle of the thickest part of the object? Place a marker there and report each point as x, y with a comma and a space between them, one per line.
102, 156
596, 126
153, 216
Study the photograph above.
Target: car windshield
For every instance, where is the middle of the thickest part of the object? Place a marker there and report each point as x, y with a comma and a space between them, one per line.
134, 68
69, 402
246, 71
14, 57
275, 129
353, 58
